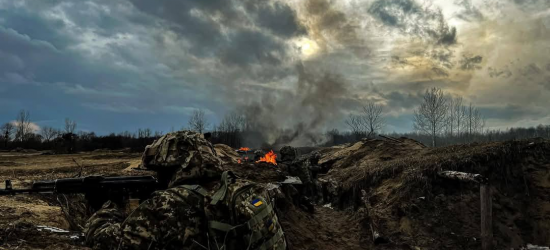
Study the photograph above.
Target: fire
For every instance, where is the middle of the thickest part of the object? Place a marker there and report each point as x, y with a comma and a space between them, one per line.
244, 149
270, 157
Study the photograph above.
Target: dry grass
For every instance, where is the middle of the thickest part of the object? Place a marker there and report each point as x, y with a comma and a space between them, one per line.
412, 206
19, 215
416, 169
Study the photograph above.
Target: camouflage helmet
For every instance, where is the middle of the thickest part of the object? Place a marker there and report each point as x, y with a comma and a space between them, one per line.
186, 154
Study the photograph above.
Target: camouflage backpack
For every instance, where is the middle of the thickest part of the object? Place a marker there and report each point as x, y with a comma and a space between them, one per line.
241, 216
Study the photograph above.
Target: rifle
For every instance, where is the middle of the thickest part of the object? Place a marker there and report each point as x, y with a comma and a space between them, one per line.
97, 189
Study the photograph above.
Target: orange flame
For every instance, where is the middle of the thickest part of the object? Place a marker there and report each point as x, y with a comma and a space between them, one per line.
270, 157
244, 149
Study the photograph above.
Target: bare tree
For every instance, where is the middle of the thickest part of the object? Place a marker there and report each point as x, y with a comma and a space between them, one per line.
372, 118
459, 112
7, 131
356, 124
48, 133
478, 123
430, 117
70, 126
451, 117
230, 128
198, 122
23, 125
144, 133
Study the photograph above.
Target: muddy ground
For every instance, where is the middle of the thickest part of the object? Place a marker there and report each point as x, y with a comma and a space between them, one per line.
407, 203
20, 216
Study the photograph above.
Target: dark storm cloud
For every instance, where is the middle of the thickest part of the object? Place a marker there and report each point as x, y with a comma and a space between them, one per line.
78, 52
469, 12
150, 63
277, 17
39, 62
221, 27
26, 21
409, 17
199, 30
328, 24
251, 47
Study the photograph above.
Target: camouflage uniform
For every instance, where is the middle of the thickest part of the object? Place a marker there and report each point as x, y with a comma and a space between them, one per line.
175, 218
288, 154
306, 168
171, 219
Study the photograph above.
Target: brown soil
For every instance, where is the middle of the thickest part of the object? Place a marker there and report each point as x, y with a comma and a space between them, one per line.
411, 207
20, 215
414, 208
324, 229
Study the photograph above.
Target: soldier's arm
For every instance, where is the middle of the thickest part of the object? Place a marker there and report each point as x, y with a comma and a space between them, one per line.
170, 219
103, 228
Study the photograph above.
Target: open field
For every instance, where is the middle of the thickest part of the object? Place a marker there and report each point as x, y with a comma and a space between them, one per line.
20, 215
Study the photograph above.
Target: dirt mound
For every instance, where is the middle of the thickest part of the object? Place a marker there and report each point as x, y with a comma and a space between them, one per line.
226, 153
412, 207
369, 151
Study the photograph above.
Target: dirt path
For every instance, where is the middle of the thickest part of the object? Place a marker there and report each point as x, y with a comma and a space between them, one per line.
325, 229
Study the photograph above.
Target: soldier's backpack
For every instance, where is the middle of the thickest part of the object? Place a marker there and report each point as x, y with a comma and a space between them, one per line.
241, 216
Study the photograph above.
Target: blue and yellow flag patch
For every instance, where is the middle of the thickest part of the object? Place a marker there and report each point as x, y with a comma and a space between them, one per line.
257, 202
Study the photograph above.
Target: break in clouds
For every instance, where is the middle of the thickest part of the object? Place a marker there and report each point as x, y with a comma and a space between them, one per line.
297, 66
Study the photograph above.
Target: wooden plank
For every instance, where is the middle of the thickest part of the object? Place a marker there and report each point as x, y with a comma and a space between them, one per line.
461, 176
486, 217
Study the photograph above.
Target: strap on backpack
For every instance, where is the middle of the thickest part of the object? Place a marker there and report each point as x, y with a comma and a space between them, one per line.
196, 188
220, 194
268, 245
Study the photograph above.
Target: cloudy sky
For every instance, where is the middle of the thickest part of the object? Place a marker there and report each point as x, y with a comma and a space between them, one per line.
129, 64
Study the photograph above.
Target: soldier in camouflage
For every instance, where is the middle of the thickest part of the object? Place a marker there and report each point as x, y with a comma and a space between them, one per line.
306, 168
193, 212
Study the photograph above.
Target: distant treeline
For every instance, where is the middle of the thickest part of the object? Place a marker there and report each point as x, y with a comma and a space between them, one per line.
234, 130
82, 141
336, 137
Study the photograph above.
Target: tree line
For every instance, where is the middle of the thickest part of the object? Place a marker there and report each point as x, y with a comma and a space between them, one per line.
21, 134
439, 120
